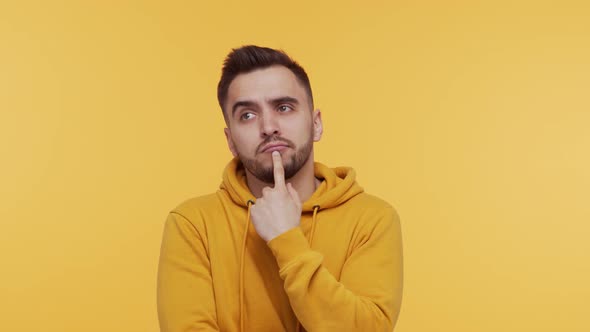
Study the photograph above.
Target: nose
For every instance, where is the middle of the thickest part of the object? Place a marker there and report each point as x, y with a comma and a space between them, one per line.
269, 125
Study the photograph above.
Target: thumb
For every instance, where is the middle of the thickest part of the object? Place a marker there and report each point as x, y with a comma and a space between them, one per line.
293, 193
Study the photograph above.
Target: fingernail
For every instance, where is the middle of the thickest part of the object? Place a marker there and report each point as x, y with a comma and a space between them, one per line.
274, 153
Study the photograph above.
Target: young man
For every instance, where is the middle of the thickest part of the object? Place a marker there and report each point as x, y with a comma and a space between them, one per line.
286, 243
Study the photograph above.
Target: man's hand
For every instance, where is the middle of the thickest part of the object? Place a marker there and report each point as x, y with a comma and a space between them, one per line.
279, 208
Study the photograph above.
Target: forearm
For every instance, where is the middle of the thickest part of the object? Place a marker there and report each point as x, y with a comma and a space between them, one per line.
363, 300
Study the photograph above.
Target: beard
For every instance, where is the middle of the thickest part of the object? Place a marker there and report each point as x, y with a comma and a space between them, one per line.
291, 167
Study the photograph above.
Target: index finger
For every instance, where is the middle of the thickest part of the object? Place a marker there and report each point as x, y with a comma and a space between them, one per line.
279, 171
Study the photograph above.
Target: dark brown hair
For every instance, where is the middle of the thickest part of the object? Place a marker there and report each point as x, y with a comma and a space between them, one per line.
249, 58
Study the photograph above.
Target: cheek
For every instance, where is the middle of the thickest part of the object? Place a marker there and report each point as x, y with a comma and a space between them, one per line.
303, 132
245, 144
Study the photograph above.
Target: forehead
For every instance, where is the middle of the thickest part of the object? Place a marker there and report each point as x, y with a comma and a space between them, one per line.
264, 84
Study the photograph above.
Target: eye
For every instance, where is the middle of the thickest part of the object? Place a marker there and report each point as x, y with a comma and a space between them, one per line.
246, 116
285, 108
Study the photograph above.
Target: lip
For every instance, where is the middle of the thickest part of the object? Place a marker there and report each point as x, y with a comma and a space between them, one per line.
275, 147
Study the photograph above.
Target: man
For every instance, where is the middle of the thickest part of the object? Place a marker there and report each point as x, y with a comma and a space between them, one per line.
286, 243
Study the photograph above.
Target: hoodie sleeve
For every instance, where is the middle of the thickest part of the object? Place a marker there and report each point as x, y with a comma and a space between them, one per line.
368, 295
185, 292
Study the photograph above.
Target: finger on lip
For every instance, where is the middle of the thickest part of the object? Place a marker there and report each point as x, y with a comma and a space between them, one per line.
279, 176
277, 160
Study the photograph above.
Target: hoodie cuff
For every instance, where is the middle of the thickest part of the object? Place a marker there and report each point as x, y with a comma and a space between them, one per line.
288, 246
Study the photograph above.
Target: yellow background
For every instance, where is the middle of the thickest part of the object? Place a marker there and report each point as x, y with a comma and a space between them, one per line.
471, 118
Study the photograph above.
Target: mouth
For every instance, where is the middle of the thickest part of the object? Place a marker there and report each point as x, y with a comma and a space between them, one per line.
274, 147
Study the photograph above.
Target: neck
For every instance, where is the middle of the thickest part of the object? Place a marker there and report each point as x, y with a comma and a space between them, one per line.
303, 181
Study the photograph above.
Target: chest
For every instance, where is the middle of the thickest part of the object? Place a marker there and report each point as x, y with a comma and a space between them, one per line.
266, 304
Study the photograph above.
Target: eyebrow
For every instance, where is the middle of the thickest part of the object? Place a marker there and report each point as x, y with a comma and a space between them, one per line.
274, 101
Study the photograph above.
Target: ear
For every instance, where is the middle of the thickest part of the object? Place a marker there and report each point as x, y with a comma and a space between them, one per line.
230, 142
318, 127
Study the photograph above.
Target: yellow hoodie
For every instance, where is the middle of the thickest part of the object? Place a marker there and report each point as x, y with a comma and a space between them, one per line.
340, 270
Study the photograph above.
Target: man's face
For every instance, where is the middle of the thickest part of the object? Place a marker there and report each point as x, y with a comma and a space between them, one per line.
270, 107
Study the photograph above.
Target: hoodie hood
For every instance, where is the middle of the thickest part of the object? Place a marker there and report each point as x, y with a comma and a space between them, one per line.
337, 186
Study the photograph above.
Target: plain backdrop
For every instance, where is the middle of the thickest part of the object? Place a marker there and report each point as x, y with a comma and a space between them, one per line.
471, 118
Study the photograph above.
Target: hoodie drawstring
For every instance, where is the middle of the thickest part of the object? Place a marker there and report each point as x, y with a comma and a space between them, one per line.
316, 208
250, 202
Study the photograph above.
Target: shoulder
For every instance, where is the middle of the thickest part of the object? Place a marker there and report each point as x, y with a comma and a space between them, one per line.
373, 210
194, 208
369, 203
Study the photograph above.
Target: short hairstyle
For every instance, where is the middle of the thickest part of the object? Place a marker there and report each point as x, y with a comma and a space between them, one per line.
249, 58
